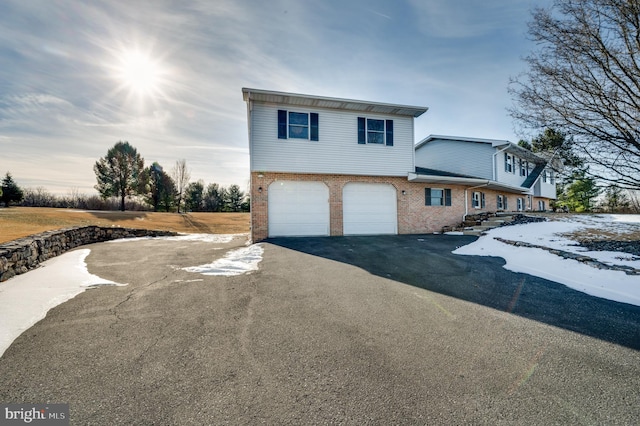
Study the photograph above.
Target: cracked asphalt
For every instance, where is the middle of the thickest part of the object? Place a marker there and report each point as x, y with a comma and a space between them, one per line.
352, 330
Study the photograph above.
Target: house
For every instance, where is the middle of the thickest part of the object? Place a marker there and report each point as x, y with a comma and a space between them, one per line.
498, 175
325, 166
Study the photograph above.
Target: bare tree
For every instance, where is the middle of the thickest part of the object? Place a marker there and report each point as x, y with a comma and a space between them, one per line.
181, 176
584, 81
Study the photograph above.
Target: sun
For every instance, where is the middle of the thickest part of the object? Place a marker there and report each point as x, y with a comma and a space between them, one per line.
139, 73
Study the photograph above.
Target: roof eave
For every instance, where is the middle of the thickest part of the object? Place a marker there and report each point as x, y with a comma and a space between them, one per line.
268, 96
451, 180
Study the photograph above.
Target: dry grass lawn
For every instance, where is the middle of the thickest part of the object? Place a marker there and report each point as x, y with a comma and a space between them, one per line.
18, 222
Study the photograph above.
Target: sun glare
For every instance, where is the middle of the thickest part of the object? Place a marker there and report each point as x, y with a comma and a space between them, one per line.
139, 73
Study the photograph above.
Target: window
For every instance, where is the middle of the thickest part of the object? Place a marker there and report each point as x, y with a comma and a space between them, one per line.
552, 178
524, 167
437, 197
297, 125
500, 204
508, 163
477, 200
545, 176
520, 204
541, 205
375, 131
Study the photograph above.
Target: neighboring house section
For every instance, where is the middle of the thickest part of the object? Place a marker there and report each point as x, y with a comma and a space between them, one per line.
499, 175
327, 166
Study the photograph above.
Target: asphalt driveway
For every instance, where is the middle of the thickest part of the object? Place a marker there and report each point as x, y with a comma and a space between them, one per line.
351, 330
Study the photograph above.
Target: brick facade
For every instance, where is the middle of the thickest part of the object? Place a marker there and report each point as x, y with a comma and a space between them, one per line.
414, 217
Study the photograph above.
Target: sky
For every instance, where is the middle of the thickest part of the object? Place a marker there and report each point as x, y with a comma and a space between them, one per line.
25, 299
166, 76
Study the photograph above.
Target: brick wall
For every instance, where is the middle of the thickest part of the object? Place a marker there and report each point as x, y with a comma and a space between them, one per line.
413, 216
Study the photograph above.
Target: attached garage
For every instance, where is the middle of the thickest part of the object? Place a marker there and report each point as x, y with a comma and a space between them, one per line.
369, 209
298, 209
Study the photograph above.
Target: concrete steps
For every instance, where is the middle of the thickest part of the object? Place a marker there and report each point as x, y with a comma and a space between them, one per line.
491, 222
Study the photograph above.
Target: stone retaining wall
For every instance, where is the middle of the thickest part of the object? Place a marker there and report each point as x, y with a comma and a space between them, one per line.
20, 256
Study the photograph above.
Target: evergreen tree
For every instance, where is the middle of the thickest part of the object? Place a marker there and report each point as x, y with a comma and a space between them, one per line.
214, 198
10, 192
162, 190
194, 196
234, 199
580, 193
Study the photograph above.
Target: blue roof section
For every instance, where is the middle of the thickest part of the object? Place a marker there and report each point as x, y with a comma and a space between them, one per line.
434, 172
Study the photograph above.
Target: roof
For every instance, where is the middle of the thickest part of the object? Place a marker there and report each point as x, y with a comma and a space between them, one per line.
447, 178
504, 145
333, 103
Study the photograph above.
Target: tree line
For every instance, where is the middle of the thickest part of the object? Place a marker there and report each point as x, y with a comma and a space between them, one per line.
124, 183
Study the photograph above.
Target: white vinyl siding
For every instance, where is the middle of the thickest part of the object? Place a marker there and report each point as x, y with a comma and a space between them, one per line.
465, 158
513, 176
546, 190
336, 152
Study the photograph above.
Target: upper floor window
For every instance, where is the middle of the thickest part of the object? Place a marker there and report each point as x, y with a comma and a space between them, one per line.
376, 131
437, 197
508, 163
297, 125
524, 167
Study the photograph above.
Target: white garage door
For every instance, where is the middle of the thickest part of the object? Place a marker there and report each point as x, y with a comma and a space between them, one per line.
298, 209
369, 208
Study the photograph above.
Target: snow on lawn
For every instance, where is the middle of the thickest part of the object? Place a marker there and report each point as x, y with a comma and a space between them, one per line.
26, 299
235, 262
607, 284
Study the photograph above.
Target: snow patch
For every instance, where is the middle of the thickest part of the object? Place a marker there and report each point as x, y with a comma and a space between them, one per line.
26, 299
234, 262
612, 285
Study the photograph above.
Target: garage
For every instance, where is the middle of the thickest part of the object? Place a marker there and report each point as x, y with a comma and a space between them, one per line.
369, 209
298, 209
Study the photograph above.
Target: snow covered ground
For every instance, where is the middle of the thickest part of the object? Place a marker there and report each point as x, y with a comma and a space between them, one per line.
612, 285
26, 299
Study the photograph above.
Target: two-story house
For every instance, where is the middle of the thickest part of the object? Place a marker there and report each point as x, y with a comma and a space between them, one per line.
499, 175
327, 166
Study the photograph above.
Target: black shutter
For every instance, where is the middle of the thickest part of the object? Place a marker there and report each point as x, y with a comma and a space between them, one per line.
282, 124
483, 204
506, 207
314, 126
427, 196
447, 197
506, 162
361, 133
498, 202
389, 132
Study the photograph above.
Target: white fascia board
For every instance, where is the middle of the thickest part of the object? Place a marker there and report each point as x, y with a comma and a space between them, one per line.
451, 180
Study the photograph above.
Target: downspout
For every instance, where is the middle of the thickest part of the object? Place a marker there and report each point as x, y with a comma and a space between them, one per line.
466, 200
